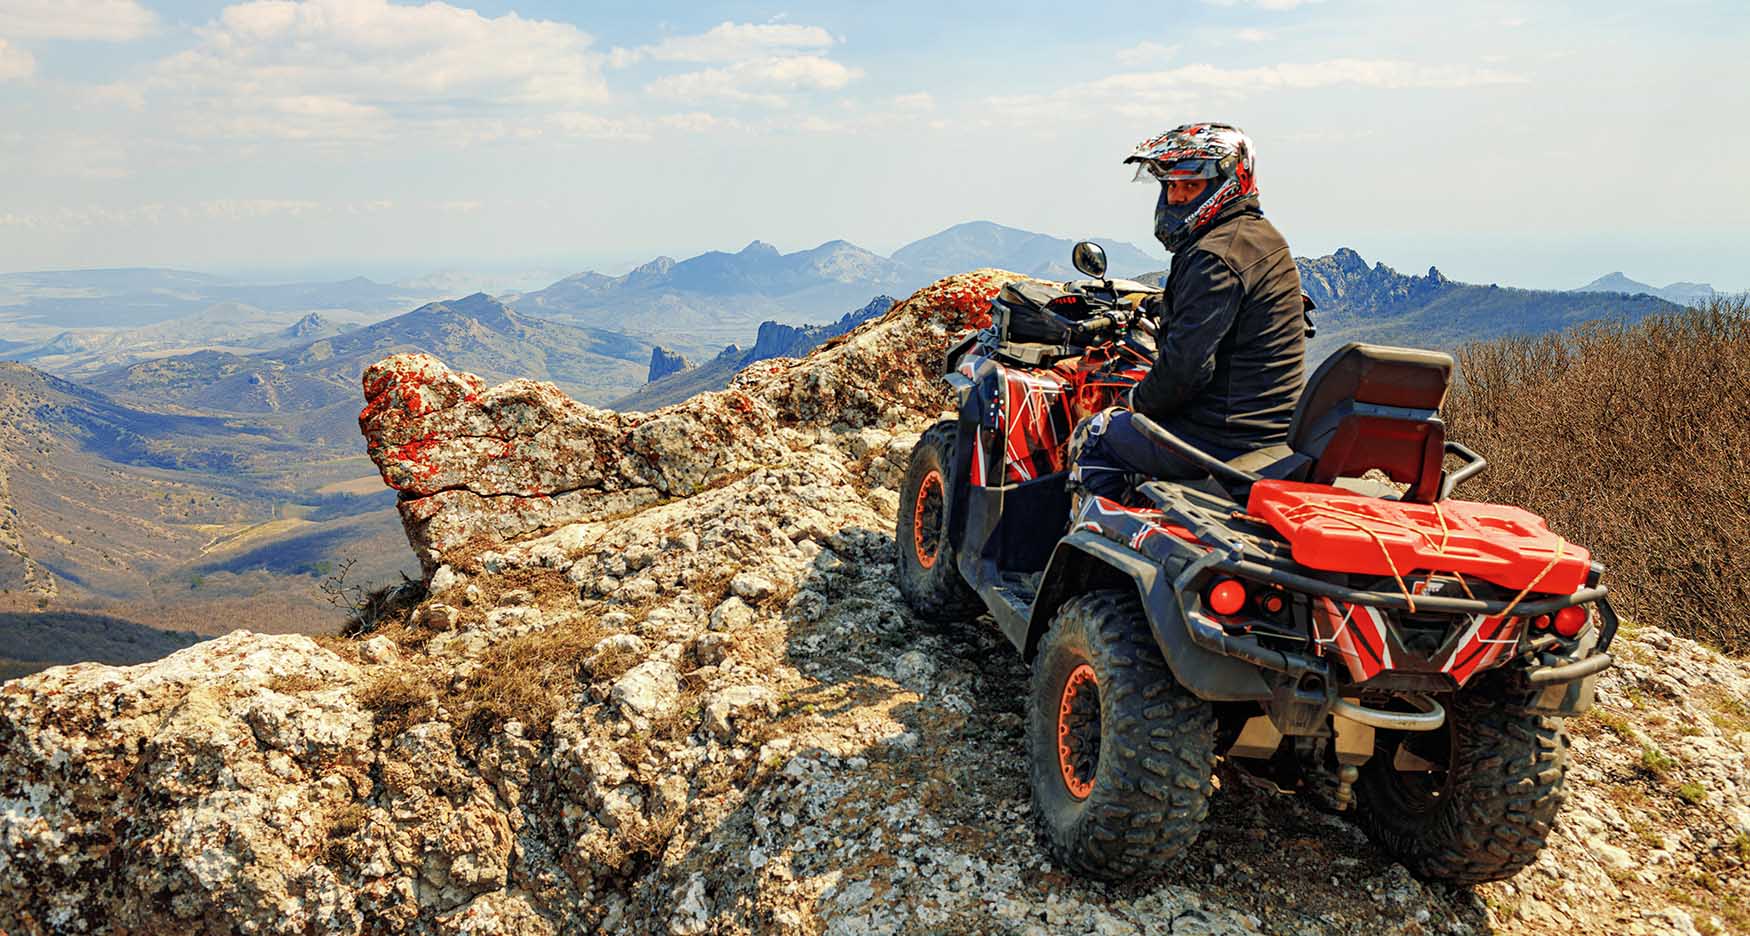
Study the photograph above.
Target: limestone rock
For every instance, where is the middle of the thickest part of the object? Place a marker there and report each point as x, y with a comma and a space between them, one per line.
751, 587
649, 690
732, 615
730, 702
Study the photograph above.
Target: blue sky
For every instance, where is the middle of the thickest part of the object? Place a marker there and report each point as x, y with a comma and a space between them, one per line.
1537, 145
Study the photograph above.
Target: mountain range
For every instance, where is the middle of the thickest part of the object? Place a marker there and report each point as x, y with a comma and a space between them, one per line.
1680, 293
225, 326
124, 298
671, 383
1358, 302
315, 383
698, 305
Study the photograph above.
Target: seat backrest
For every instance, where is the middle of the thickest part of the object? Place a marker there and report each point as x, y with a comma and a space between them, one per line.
1371, 406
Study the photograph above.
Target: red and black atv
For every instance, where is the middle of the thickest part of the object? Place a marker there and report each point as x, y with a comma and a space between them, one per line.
1370, 644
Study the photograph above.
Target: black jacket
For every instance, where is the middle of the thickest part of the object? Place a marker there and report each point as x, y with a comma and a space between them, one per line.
1232, 336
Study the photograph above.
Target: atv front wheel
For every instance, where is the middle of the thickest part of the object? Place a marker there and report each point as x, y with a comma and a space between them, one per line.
1120, 754
1471, 802
928, 575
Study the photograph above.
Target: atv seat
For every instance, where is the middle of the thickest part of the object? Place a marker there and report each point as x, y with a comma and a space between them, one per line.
1366, 407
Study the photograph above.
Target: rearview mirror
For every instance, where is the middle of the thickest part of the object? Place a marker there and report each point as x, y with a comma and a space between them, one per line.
1090, 258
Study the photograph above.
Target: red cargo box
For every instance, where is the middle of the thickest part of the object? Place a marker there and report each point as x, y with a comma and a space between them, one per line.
1338, 531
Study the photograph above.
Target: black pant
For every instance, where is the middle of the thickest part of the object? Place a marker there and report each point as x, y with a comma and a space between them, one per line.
1106, 449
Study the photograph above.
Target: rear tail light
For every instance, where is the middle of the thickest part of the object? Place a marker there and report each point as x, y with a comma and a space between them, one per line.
1227, 596
1541, 622
1272, 604
1571, 621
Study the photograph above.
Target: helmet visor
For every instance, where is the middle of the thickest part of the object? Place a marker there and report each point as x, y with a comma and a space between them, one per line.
1157, 170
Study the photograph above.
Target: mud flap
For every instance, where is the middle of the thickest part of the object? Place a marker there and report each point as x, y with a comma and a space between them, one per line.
1208, 676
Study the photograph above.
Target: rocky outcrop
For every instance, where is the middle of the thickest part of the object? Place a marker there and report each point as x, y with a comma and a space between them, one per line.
1344, 280
481, 465
707, 710
664, 362
776, 340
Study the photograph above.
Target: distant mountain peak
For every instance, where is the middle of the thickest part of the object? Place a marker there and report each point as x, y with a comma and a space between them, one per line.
478, 307
312, 324
759, 248
1680, 293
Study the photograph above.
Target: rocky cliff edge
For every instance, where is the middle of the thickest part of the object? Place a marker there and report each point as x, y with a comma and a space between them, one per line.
661, 682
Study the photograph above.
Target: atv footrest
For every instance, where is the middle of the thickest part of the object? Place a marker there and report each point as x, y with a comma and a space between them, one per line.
1010, 600
1021, 588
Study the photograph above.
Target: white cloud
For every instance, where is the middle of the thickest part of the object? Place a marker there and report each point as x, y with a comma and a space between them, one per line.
596, 127
697, 122
920, 101
1366, 73
1145, 53
1254, 35
1264, 4
115, 94
15, 62
72, 218
732, 42
102, 20
355, 69
761, 81
1144, 95
242, 209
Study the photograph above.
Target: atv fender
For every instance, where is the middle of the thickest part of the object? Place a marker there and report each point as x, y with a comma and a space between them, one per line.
951, 360
980, 398
1084, 560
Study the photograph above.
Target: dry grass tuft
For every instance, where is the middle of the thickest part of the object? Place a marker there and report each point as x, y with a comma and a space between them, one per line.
712, 587
290, 683
401, 696
528, 679
1631, 440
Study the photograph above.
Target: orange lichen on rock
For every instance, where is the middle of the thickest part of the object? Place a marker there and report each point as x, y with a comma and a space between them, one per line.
520, 457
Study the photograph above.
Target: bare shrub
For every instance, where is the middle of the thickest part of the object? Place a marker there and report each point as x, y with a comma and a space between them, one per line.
1632, 440
369, 606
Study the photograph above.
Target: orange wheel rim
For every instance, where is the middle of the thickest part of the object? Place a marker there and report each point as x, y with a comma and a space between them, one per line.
1078, 731
926, 520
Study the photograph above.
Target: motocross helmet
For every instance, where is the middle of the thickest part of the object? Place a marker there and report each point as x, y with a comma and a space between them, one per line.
1219, 152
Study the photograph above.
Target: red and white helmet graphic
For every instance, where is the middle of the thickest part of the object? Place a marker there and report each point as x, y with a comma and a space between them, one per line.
1216, 151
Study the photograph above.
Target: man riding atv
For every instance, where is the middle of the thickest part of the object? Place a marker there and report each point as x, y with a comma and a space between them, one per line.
1237, 580
1232, 339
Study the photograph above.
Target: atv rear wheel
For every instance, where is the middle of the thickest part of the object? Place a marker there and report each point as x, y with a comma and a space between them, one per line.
1120, 754
929, 578
1472, 802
